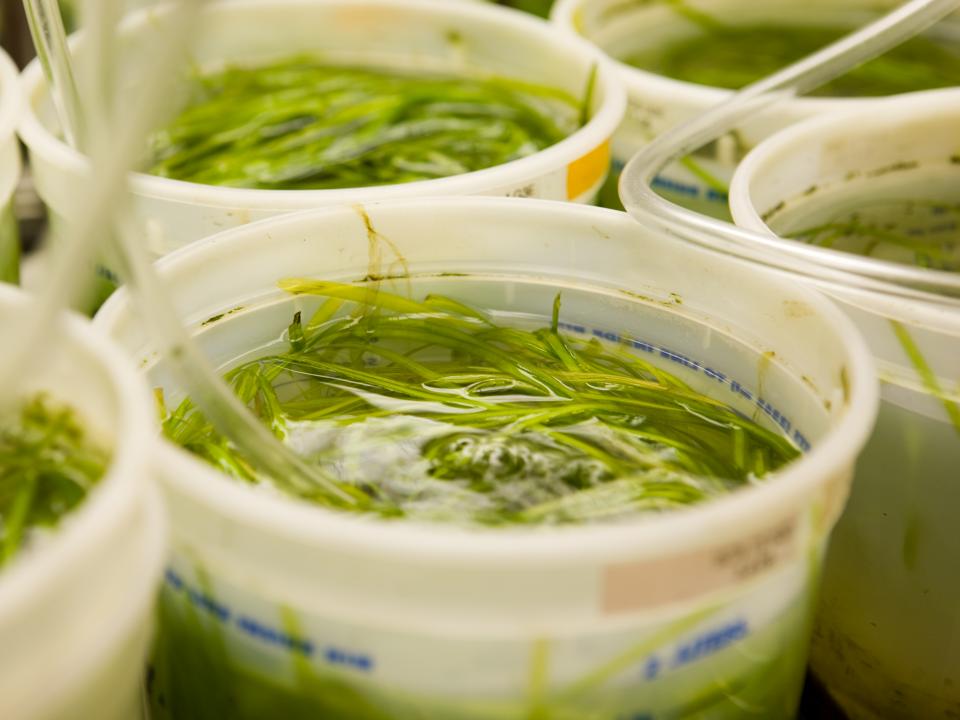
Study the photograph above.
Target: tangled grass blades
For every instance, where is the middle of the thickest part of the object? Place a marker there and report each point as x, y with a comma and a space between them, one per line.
301, 124
435, 410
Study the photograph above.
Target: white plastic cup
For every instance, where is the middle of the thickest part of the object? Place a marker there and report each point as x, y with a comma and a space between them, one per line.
650, 617
657, 103
76, 611
887, 644
429, 35
11, 106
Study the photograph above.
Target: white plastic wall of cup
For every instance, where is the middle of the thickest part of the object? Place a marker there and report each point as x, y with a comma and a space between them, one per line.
399, 619
888, 641
11, 106
657, 103
77, 611
428, 35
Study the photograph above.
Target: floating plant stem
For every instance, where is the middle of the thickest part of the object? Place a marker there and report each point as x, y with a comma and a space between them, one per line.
434, 410
302, 124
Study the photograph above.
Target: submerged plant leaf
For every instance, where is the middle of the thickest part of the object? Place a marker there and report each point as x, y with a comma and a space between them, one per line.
434, 410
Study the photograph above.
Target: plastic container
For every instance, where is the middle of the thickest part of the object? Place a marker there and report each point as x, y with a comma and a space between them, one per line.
76, 611
416, 34
657, 103
704, 611
888, 641
11, 106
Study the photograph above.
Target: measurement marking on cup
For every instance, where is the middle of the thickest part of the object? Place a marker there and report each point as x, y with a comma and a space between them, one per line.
264, 631
704, 644
710, 641
766, 407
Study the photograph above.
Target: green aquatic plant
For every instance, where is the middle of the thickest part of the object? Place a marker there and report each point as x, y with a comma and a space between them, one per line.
715, 56
303, 124
435, 410
47, 467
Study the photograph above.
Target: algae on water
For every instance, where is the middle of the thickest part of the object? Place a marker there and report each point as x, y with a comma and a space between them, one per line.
733, 56
434, 410
47, 466
302, 124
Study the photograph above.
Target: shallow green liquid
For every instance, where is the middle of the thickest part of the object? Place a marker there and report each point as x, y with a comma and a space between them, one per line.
301, 124
732, 56
432, 410
47, 466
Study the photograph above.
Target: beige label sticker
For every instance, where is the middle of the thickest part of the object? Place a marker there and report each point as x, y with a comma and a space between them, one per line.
646, 584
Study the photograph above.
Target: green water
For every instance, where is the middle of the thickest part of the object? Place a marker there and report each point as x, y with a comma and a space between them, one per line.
47, 466
433, 410
733, 56
300, 124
